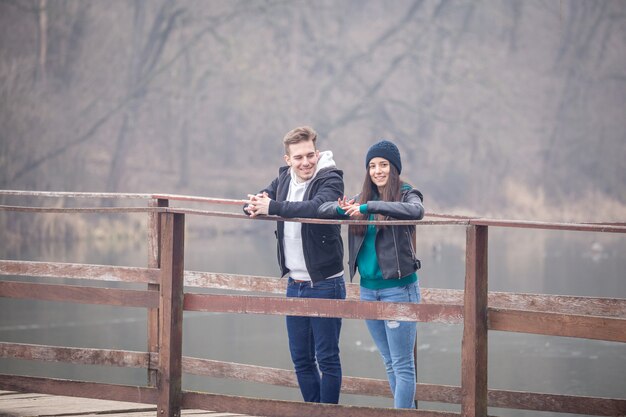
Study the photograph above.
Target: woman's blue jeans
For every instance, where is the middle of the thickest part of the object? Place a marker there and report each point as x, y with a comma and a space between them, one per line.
395, 341
314, 343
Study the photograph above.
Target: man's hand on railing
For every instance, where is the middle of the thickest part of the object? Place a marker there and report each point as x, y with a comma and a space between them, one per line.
258, 205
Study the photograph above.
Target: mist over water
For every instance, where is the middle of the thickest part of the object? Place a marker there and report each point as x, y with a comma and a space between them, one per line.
509, 109
532, 261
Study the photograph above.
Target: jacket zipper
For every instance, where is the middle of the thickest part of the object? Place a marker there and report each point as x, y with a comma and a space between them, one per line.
280, 253
395, 245
408, 237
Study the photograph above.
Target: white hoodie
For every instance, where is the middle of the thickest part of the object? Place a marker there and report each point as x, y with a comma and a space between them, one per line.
294, 255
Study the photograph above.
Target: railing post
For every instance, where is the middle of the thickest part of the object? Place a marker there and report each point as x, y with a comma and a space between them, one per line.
171, 314
416, 333
474, 345
154, 261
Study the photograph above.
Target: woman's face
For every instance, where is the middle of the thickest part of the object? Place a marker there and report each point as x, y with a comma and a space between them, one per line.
379, 172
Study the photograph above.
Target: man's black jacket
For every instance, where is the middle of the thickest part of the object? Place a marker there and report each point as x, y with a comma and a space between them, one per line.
322, 244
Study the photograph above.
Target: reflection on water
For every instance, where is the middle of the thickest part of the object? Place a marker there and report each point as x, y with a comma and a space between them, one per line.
551, 262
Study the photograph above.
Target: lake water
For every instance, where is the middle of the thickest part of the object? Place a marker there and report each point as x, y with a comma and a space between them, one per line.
533, 261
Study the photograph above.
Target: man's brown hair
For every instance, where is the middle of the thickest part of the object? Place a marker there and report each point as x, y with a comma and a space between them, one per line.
299, 134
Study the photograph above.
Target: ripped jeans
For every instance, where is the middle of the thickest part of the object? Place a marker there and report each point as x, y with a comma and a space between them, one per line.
395, 341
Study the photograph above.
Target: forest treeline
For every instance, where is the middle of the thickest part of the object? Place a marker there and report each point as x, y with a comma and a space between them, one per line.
501, 108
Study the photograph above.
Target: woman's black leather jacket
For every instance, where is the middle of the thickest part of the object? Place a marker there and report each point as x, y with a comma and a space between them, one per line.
394, 244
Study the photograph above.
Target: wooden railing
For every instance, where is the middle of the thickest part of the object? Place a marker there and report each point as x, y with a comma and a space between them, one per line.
165, 300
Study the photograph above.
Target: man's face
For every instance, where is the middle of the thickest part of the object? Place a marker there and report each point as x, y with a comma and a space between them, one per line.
302, 158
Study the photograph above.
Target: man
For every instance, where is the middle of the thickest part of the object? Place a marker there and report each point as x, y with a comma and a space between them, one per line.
311, 255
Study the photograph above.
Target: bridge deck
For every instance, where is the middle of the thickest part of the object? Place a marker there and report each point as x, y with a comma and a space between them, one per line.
16, 404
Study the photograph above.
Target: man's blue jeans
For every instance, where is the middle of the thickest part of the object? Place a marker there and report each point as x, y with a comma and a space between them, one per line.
314, 343
395, 341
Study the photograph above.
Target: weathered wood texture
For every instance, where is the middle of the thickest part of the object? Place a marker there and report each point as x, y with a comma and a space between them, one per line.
323, 308
203, 401
286, 378
154, 262
76, 294
67, 210
79, 356
209, 200
451, 219
71, 194
592, 306
133, 394
588, 327
591, 406
575, 227
13, 404
609, 307
169, 383
79, 271
276, 408
474, 344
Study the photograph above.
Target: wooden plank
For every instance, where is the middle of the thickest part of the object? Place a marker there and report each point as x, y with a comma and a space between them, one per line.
240, 215
83, 356
78, 294
154, 261
6, 396
83, 389
278, 408
66, 210
238, 371
593, 227
474, 344
206, 367
251, 283
592, 406
580, 227
71, 194
47, 405
194, 413
209, 200
79, 271
587, 327
286, 378
593, 306
610, 307
14, 404
234, 282
171, 314
323, 308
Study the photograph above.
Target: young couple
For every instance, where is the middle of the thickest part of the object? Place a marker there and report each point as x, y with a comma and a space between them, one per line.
311, 255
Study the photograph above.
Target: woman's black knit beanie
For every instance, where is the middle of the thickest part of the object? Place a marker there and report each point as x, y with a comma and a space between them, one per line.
387, 150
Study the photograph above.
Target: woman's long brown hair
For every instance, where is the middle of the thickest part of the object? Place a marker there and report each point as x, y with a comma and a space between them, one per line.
391, 192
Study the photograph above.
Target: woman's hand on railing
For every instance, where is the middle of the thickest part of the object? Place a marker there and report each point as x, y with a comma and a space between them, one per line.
349, 206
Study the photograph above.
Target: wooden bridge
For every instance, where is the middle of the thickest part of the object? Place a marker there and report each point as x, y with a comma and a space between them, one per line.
165, 300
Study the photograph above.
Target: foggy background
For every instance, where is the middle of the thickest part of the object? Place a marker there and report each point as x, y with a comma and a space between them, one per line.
507, 109
510, 109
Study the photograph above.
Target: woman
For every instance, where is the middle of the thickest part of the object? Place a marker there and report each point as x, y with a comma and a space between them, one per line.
386, 259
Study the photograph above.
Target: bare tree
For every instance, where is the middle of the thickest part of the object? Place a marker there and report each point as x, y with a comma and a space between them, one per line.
42, 38
145, 56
